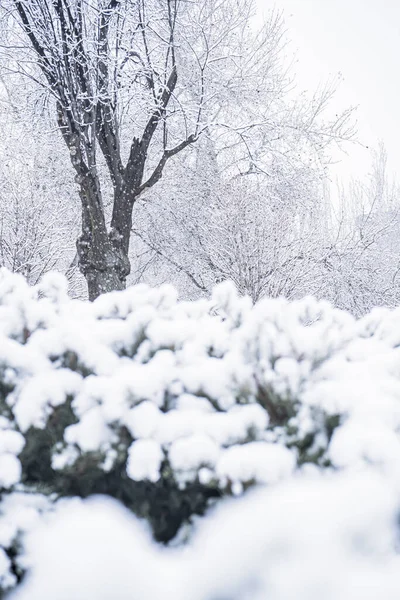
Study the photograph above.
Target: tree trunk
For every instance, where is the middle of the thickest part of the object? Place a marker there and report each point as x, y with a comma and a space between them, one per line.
105, 268
103, 257
103, 281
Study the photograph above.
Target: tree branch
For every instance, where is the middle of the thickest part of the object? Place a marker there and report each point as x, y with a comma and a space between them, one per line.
106, 124
158, 171
163, 100
180, 268
37, 46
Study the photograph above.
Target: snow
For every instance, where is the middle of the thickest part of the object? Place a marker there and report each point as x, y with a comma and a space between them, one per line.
10, 470
91, 433
20, 513
34, 401
256, 462
142, 420
11, 445
307, 539
144, 460
64, 457
362, 442
11, 441
191, 453
118, 548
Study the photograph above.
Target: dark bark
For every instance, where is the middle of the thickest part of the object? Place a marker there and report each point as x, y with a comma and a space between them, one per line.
103, 256
105, 270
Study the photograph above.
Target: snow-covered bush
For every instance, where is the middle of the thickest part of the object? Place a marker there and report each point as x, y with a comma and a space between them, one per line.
169, 407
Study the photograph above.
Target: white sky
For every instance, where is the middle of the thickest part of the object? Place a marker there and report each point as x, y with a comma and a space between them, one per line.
361, 40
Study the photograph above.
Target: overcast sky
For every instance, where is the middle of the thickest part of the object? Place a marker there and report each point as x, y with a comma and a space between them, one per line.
361, 40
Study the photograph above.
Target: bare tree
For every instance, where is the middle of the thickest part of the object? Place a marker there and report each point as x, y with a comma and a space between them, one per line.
129, 82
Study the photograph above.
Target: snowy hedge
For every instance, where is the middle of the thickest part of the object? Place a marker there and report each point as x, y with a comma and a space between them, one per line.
174, 410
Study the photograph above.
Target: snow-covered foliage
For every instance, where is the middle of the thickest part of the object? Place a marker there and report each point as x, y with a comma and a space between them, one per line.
170, 406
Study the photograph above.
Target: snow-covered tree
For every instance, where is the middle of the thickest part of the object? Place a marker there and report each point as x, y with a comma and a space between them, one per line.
260, 219
37, 216
363, 260
246, 232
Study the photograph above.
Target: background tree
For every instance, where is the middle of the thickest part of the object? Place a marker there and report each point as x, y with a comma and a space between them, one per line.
363, 261
258, 211
37, 217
